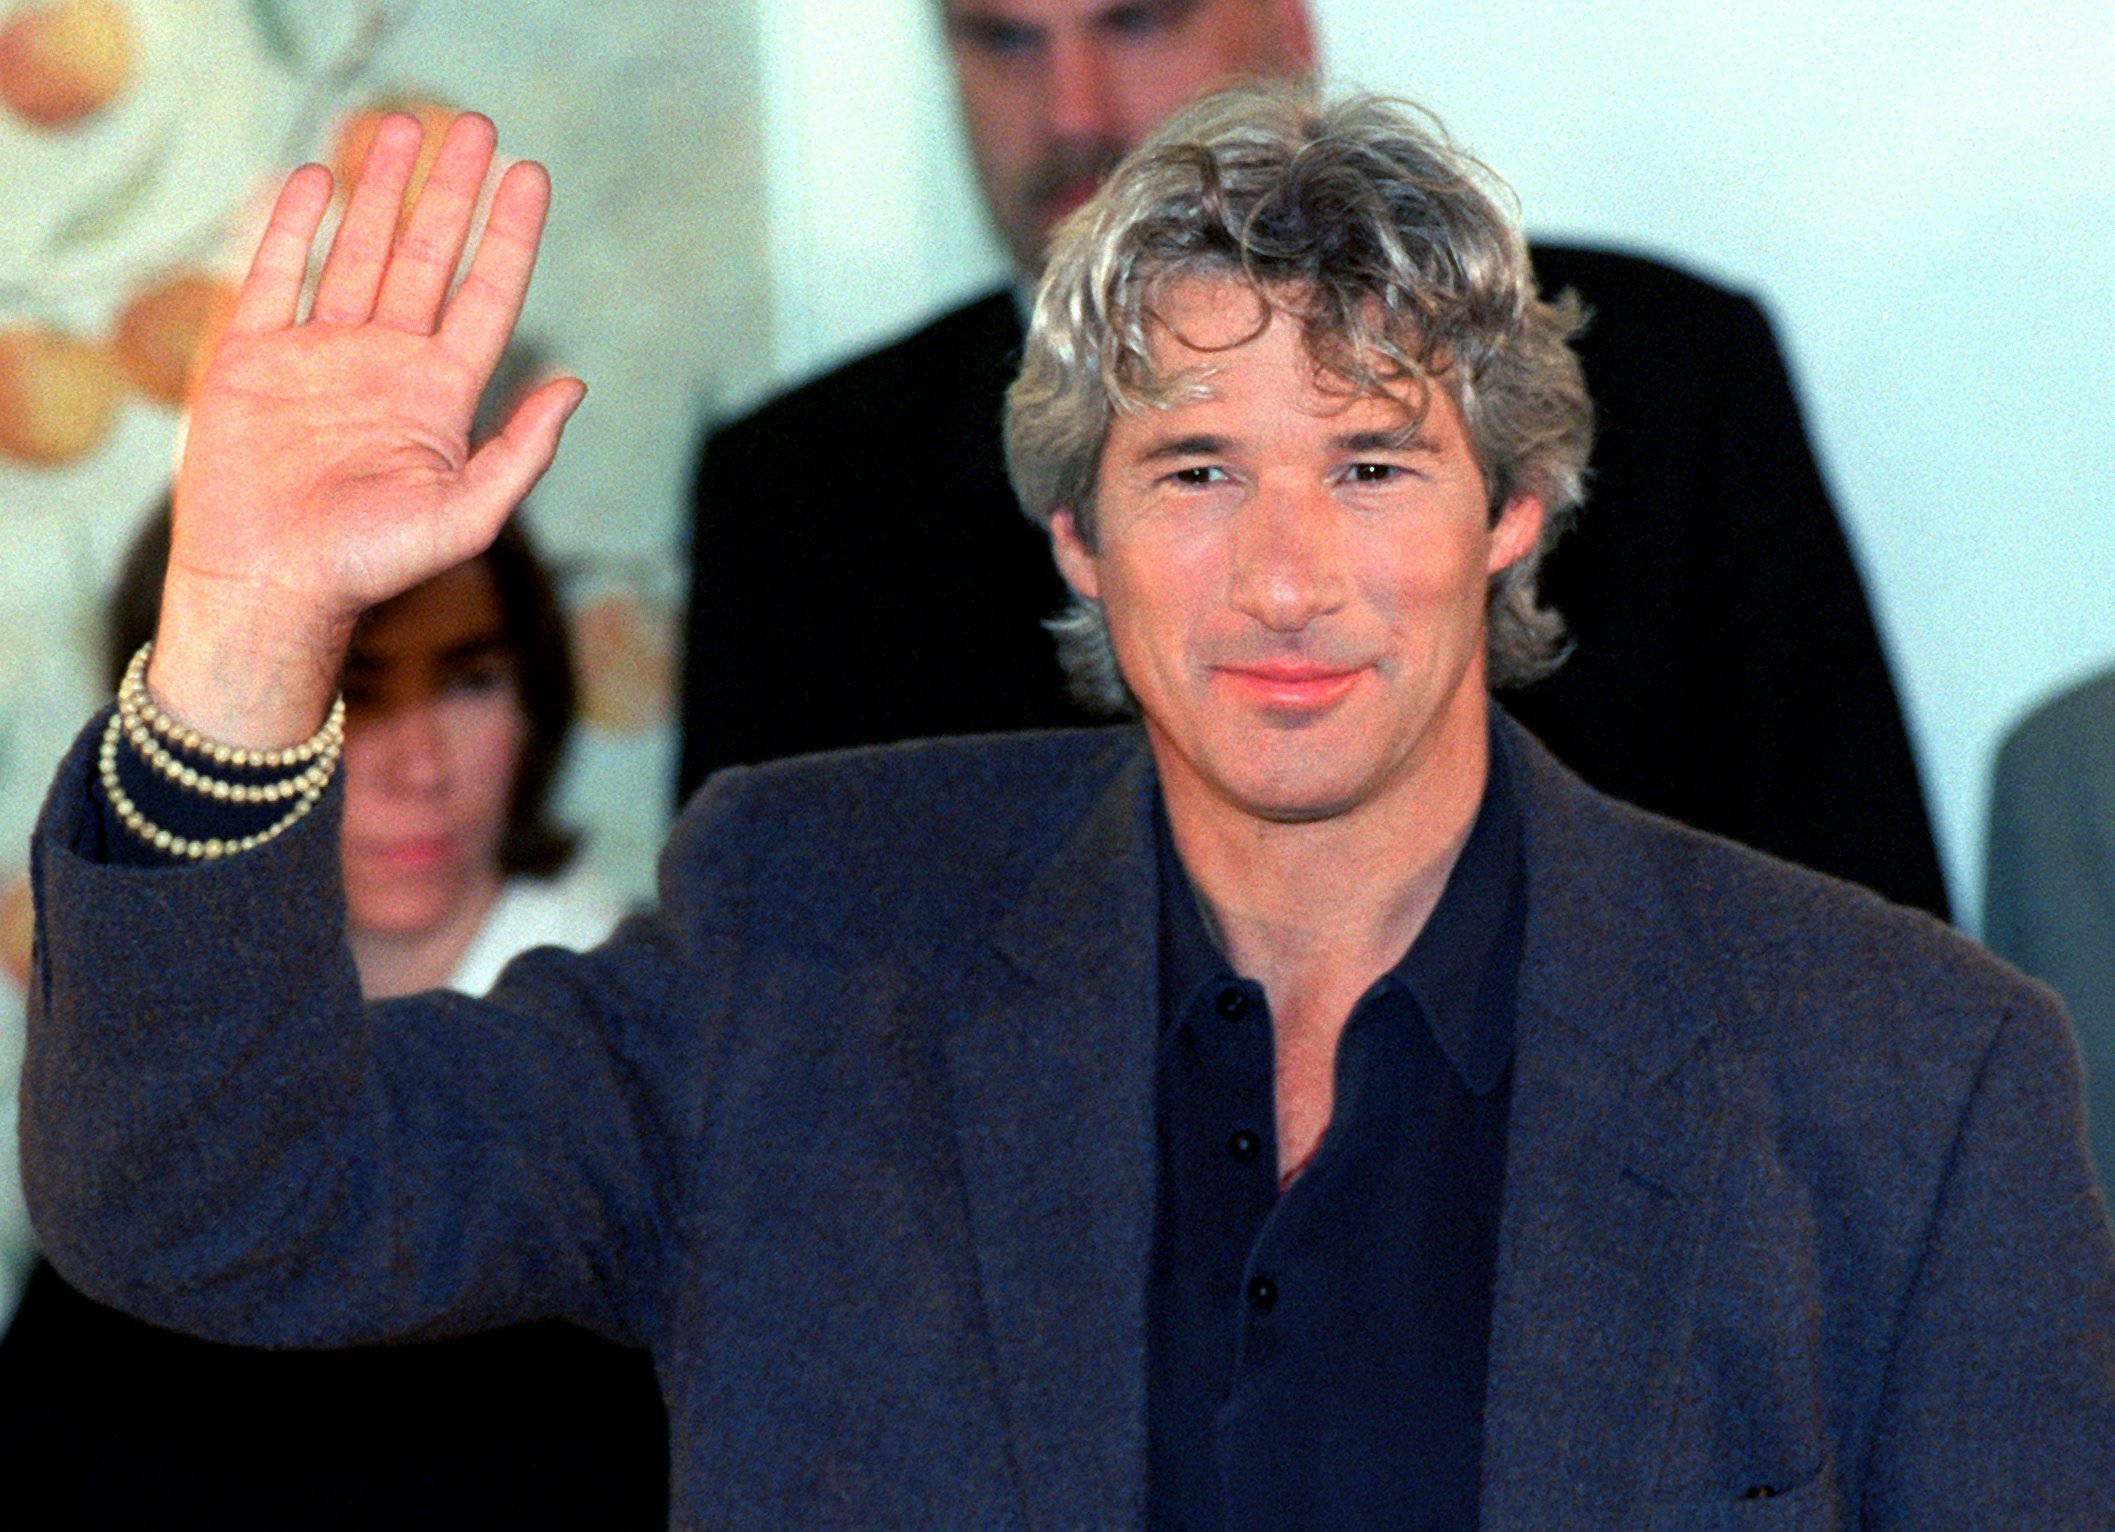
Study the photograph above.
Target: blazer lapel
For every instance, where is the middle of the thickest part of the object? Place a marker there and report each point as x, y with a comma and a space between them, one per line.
1051, 1073
1613, 1147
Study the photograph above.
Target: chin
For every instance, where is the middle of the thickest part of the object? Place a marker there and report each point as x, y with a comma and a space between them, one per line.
1300, 792
402, 911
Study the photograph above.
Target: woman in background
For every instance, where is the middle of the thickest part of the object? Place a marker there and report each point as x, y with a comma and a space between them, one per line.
459, 697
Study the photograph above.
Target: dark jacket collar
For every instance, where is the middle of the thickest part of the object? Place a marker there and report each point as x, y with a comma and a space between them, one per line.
1461, 968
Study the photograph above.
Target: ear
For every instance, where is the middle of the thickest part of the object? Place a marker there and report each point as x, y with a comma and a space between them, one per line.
1514, 536
1296, 37
1075, 561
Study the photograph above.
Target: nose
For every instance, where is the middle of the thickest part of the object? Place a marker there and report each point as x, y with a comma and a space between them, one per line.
1078, 89
409, 750
1288, 558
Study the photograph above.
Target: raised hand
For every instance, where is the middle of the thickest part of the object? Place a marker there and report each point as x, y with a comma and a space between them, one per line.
328, 464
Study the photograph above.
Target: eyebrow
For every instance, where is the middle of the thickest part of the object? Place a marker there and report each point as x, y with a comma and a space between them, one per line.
968, 22
471, 650
1404, 438
1169, 448
1166, 12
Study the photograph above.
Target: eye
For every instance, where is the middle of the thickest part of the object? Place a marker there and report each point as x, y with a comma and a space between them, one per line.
1198, 476
994, 35
1140, 20
479, 678
1375, 473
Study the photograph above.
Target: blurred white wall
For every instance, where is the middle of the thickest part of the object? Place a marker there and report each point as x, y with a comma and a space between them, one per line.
1923, 197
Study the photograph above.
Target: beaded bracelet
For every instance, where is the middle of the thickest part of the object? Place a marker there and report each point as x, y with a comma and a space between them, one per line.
186, 776
169, 841
141, 723
134, 699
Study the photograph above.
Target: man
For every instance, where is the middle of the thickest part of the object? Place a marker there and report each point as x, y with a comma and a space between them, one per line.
2049, 883
1726, 670
1315, 1108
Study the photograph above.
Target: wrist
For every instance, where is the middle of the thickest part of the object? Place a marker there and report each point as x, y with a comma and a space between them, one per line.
243, 671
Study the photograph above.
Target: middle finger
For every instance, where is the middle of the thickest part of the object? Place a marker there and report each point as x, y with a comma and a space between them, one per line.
352, 275
424, 261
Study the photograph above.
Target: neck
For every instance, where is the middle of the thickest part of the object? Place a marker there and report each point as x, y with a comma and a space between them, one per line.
1316, 912
394, 963
1350, 892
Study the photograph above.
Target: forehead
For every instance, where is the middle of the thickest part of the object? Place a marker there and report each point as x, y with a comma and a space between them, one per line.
1234, 340
1111, 14
449, 615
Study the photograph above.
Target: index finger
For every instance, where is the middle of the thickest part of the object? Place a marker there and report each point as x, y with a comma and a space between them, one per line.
480, 317
271, 293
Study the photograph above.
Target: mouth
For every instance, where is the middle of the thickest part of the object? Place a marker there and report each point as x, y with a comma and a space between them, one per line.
417, 853
1302, 689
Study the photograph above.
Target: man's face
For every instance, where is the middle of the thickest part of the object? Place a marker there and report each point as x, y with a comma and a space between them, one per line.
1295, 593
1055, 92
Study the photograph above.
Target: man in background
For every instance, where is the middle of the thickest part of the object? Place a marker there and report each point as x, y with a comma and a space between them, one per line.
1726, 669
2049, 889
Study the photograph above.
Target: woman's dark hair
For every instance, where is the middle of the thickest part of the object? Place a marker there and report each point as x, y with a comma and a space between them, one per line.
531, 624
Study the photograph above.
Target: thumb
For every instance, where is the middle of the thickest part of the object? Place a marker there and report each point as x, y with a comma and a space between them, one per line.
501, 473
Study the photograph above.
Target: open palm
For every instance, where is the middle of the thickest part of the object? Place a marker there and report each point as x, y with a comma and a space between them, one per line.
328, 464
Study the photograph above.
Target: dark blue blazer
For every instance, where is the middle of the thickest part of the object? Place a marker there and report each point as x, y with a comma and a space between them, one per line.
855, 1134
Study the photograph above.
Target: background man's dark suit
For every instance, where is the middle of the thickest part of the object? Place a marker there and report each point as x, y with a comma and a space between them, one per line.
863, 573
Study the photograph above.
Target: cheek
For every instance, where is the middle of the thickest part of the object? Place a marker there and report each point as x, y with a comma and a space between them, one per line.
997, 113
1161, 586
1155, 81
486, 741
1441, 572
366, 803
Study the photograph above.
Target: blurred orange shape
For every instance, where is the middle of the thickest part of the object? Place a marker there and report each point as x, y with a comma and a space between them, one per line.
57, 396
60, 63
166, 333
17, 920
626, 663
357, 133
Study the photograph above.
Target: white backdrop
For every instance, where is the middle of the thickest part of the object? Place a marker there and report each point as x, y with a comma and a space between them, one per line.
1923, 197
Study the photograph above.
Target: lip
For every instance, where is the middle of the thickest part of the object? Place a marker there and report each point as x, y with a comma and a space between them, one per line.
414, 853
1296, 688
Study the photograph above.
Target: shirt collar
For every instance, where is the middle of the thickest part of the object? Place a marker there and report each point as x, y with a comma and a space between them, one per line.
1462, 971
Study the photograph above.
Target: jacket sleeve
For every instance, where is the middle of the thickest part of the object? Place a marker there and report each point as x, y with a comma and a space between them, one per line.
221, 1138
1998, 1402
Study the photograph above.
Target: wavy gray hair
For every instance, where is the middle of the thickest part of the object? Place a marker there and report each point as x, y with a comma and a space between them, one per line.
1408, 266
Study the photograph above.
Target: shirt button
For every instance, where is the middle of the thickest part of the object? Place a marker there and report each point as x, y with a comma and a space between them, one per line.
1262, 1293
1233, 1004
1243, 1146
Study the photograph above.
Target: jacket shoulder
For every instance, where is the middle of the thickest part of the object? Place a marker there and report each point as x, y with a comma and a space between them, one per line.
893, 832
1761, 939
1616, 279
2061, 734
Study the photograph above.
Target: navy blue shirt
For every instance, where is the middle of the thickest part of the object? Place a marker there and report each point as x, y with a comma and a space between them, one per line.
1317, 1357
